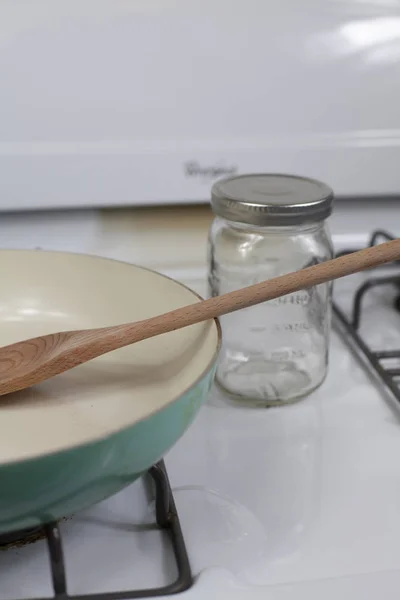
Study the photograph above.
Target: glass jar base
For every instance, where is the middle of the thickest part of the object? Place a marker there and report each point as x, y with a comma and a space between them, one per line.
266, 394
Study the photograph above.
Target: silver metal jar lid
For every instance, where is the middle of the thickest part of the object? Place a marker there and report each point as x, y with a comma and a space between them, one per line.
271, 199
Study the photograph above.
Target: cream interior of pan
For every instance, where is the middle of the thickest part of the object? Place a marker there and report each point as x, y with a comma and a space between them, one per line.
44, 292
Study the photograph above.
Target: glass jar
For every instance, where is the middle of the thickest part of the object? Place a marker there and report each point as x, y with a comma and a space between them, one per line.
265, 226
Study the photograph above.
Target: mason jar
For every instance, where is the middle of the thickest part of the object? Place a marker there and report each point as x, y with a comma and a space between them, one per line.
268, 225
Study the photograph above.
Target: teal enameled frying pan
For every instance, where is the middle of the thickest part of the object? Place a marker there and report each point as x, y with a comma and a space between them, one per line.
82, 436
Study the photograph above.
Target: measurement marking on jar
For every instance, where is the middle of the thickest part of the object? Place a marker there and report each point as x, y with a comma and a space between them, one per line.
283, 355
294, 327
297, 299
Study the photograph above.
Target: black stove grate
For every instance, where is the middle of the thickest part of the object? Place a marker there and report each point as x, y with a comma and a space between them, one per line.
167, 519
388, 377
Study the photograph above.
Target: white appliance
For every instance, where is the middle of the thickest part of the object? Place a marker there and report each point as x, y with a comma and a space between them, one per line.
126, 102
137, 102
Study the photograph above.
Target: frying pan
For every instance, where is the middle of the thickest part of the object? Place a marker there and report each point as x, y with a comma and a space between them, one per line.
84, 435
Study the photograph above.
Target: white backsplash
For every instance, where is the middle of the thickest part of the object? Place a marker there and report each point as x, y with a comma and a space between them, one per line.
172, 240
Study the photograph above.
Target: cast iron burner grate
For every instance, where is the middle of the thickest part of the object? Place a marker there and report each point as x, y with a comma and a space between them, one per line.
167, 519
389, 377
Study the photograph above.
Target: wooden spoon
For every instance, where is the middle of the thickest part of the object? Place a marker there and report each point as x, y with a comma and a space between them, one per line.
29, 362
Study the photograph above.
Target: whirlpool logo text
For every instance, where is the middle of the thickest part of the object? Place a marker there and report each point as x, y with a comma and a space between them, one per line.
193, 169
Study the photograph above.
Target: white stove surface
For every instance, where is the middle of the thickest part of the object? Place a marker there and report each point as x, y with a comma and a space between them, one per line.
291, 503
282, 498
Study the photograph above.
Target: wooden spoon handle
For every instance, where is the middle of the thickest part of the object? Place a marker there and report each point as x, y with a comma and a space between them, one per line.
261, 292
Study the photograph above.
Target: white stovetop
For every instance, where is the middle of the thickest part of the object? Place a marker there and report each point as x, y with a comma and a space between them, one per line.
294, 503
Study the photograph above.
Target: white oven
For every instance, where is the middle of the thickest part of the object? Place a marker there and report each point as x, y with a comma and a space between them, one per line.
140, 102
